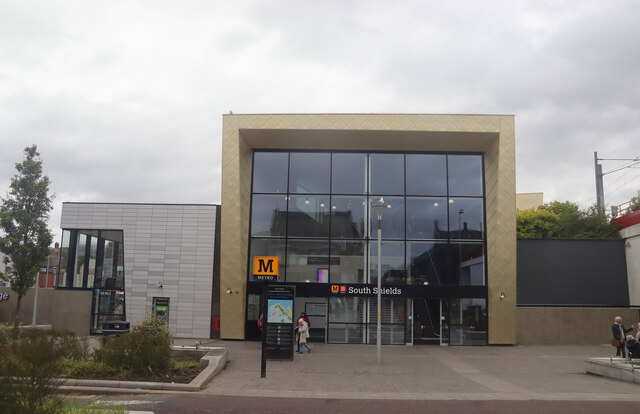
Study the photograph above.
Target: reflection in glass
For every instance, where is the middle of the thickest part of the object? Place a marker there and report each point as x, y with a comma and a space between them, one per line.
268, 215
392, 218
466, 264
346, 309
426, 263
466, 218
267, 247
348, 261
349, 171
304, 258
308, 216
386, 172
392, 311
468, 321
426, 174
426, 218
348, 217
465, 175
78, 269
108, 306
93, 252
64, 258
392, 318
270, 170
310, 172
392, 262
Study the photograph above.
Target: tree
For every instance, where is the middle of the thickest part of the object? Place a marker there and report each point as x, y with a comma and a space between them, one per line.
536, 224
565, 220
635, 202
23, 220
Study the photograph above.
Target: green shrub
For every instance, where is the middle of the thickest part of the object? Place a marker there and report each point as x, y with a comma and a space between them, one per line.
29, 371
145, 351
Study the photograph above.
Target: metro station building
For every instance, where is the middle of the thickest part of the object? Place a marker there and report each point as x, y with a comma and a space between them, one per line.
301, 187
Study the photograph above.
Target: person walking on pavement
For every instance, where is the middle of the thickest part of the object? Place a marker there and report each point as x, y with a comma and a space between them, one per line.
303, 328
619, 333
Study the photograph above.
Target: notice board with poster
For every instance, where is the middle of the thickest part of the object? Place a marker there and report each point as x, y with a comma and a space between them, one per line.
278, 336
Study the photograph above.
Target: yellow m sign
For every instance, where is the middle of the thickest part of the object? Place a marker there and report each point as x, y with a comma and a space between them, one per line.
266, 265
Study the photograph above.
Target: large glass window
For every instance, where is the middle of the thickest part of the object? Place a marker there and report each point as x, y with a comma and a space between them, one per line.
270, 170
387, 173
468, 321
465, 175
348, 173
466, 218
308, 216
466, 264
427, 218
347, 320
426, 174
64, 258
348, 217
427, 263
353, 320
80, 262
94, 259
348, 261
314, 211
391, 261
310, 172
268, 215
306, 259
392, 218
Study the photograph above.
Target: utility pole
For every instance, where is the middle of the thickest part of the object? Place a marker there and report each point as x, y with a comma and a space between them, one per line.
599, 185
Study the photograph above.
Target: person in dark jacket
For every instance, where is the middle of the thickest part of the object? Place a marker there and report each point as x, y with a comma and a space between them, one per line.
620, 333
633, 347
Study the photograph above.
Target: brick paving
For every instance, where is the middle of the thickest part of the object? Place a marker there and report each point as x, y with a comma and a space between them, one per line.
542, 372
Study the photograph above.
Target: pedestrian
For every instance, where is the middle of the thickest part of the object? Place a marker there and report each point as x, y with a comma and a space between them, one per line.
303, 329
638, 333
633, 347
306, 319
619, 335
260, 322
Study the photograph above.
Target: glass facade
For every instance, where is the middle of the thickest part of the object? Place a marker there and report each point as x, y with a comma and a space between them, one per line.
314, 211
94, 259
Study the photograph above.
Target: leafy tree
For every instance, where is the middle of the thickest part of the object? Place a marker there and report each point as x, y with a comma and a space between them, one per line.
569, 218
536, 224
23, 220
635, 202
596, 225
565, 220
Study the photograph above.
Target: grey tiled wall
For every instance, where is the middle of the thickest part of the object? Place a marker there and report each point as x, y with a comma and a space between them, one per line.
168, 243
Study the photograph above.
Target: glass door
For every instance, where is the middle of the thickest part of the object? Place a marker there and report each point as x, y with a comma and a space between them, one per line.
426, 321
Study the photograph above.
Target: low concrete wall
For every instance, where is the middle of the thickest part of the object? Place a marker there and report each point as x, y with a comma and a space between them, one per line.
554, 325
45, 304
620, 369
68, 310
72, 310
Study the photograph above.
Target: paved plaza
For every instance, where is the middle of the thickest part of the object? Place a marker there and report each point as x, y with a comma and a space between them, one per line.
532, 372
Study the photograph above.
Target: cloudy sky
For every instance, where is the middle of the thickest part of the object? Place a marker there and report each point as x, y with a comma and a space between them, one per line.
125, 98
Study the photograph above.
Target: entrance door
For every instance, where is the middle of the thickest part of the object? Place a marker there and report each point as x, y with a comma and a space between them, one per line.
430, 321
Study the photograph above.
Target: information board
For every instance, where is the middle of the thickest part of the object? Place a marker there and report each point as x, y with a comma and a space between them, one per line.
278, 335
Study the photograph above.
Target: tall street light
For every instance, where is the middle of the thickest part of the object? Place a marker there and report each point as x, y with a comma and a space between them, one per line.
379, 208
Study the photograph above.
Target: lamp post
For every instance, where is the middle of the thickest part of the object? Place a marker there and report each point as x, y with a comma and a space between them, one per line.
379, 208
